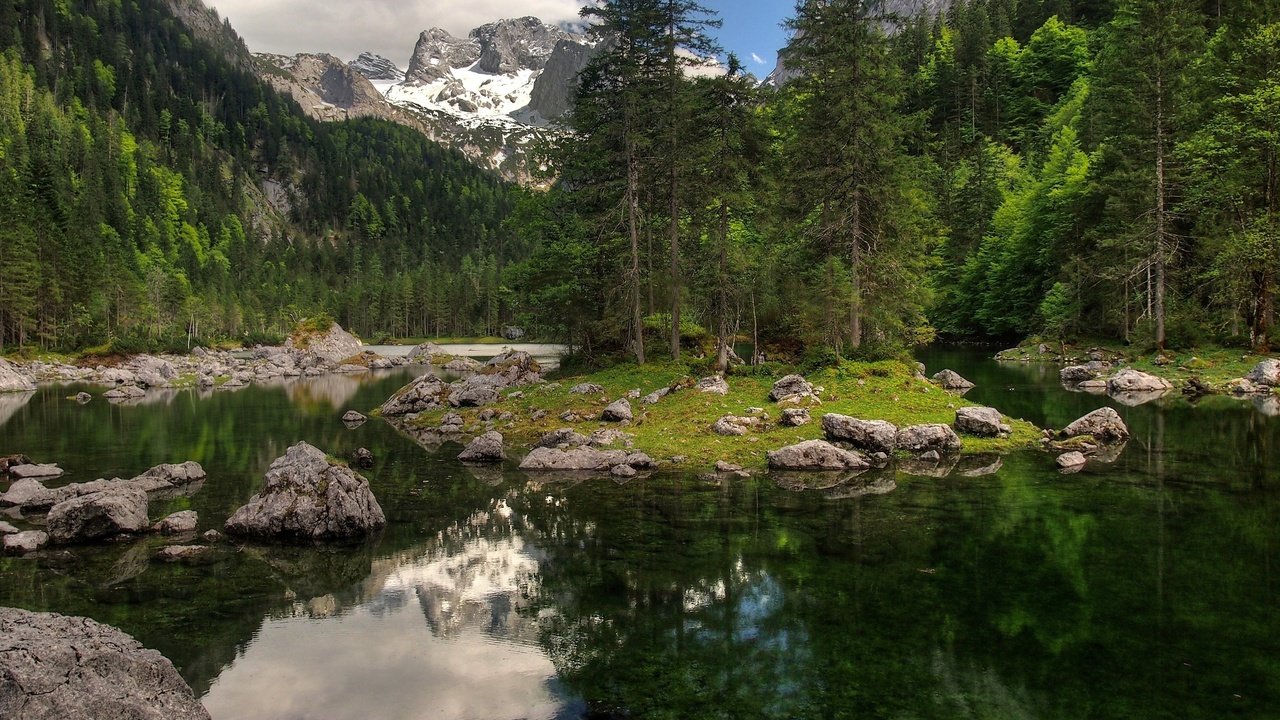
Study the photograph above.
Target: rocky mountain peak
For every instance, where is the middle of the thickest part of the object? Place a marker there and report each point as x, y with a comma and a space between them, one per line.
376, 67
436, 52
511, 45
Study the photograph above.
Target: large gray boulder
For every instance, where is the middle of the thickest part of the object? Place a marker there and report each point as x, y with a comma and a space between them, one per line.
178, 523
790, 386
486, 448
13, 381
307, 497
816, 455
618, 411
927, 438
424, 353
426, 393
951, 380
477, 390
873, 436
98, 515
1103, 425
1266, 373
55, 667
1130, 380
981, 421
573, 459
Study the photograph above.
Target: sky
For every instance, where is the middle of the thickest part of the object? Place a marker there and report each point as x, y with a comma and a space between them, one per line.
752, 28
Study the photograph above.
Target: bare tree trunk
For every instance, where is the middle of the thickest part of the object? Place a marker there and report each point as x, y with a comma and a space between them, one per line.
633, 222
674, 231
855, 273
1161, 220
722, 360
755, 331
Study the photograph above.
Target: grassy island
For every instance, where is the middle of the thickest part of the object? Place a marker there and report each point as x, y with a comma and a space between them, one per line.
680, 423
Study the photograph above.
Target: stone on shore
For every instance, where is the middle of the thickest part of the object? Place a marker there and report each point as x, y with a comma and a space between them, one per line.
55, 667
567, 437
951, 380
926, 438
307, 497
13, 381
870, 436
815, 455
486, 448
981, 421
1266, 373
573, 459
98, 515
1103, 425
1130, 380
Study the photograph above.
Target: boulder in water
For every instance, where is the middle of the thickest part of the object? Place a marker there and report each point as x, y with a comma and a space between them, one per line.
1103, 425
816, 455
486, 448
307, 497
98, 515
1130, 380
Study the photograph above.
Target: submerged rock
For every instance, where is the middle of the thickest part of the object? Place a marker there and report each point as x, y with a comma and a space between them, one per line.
486, 448
55, 667
981, 421
816, 455
1070, 460
98, 515
178, 523
309, 497
867, 435
1103, 425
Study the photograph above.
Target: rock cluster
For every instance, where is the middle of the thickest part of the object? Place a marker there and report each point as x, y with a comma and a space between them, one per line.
429, 392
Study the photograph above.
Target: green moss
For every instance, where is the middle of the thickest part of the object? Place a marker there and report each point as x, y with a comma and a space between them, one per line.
680, 423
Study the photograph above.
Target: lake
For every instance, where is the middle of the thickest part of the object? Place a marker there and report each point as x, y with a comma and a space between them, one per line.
1146, 588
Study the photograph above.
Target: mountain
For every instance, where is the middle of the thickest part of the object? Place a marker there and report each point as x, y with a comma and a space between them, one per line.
490, 95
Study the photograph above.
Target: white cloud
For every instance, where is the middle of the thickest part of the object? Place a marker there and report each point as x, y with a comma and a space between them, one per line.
759, 60
388, 27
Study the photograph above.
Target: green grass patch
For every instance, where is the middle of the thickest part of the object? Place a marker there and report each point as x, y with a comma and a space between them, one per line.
680, 424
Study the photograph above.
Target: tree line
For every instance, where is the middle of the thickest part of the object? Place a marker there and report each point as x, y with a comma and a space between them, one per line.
1006, 168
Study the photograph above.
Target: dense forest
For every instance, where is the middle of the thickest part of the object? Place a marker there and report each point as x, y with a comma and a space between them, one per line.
153, 186
1102, 169
1079, 169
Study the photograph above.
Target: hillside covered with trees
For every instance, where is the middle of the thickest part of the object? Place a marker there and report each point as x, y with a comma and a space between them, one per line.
1107, 169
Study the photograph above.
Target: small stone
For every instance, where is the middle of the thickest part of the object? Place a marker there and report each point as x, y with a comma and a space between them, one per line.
727, 467
714, 384
623, 471
586, 389
177, 523
22, 472
178, 553
83, 397
795, 417
351, 417
212, 536
1071, 460
362, 458
486, 448
7, 529
618, 411
25, 542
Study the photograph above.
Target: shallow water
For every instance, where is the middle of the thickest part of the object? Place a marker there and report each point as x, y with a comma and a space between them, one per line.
1147, 588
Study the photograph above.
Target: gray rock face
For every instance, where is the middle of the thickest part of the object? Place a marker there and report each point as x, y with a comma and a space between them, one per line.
307, 497
553, 91
178, 523
425, 393
951, 380
376, 67
816, 455
563, 436
13, 381
516, 44
925, 438
1130, 380
618, 411
794, 417
981, 421
486, 448
573, 459
21, 544
54, 667
437, 52
789, 386
1103, 424
334, 345
1266, 373
714, 384
98, 515
870, 436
